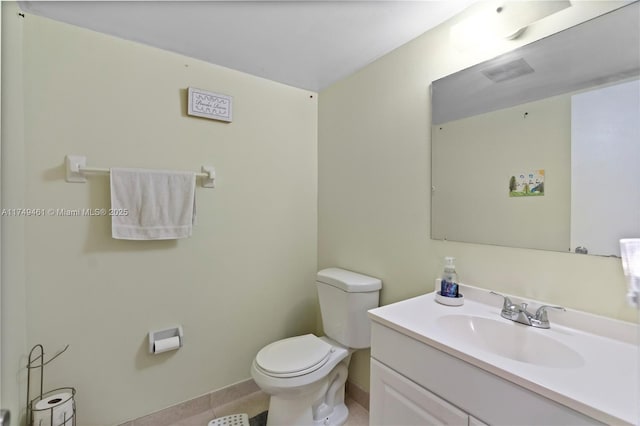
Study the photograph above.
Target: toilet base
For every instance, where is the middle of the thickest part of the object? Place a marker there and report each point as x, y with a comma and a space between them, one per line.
283, 412
321, 404
337, 418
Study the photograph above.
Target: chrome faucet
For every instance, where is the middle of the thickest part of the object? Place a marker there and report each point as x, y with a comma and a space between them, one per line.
516, 313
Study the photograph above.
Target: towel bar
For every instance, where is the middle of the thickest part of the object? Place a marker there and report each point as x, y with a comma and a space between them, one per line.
76, 166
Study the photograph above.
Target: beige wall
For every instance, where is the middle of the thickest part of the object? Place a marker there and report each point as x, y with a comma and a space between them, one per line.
244, 279
473, 159
374, 194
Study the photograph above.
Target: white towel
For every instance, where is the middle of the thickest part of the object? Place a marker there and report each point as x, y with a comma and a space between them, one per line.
152, 204
630, 250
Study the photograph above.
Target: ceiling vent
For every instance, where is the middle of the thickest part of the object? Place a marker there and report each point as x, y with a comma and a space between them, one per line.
508, 71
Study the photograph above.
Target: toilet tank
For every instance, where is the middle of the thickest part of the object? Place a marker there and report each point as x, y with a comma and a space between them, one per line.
345, 297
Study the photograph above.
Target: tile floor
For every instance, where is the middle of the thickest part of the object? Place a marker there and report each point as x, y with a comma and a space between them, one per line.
257, 402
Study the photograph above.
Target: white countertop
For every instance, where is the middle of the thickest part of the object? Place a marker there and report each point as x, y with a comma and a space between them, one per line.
605, 385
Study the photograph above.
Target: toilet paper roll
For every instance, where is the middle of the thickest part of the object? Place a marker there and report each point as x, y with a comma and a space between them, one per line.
54, 410
164, 345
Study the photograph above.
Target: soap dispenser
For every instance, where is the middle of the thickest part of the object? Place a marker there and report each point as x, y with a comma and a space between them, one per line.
449, 281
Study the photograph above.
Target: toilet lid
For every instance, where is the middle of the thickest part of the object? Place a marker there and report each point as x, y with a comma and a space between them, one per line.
294, 356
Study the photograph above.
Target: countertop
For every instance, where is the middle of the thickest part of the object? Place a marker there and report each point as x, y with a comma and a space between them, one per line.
604, 384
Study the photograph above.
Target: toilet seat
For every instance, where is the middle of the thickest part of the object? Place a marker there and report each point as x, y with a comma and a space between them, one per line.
293, 357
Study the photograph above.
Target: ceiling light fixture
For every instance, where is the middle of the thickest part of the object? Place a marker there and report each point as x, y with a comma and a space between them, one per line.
494, 20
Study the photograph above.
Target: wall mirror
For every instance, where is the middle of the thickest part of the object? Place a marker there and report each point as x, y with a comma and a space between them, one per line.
540, 147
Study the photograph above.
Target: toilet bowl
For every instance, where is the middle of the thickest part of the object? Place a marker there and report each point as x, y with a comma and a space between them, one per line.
305, 375
300, 393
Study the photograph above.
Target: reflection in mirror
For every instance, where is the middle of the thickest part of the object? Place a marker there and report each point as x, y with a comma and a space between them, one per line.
540, 147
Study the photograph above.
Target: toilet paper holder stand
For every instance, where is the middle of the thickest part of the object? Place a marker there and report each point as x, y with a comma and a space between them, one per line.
36, 361
167, 333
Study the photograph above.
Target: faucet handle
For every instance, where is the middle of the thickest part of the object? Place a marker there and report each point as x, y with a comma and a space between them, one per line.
541, 312
508, 304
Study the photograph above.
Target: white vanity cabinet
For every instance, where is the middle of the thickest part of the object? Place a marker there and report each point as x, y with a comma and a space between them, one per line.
396, 400
413, 383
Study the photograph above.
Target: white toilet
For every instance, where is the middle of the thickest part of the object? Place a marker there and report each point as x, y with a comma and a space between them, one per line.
305, 375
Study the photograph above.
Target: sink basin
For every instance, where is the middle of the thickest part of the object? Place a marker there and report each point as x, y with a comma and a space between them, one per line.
511, 340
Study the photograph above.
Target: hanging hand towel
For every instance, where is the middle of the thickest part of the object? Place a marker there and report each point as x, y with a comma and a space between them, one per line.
159, 205
630, 253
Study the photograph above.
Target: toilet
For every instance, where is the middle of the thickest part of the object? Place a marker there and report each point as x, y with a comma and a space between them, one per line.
305, 375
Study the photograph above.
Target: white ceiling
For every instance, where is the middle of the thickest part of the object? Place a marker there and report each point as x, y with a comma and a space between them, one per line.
306, 44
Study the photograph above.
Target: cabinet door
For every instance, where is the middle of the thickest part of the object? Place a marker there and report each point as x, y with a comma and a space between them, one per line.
397, 401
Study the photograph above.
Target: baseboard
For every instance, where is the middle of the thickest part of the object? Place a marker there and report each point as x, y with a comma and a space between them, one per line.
213, 400
358, 394
193, 407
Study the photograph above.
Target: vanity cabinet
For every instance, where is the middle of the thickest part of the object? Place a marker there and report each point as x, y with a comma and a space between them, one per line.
396, 400
413, 383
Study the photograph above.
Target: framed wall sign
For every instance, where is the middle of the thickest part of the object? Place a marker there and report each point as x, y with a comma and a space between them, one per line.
210, 105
